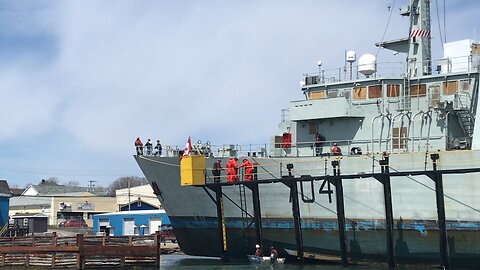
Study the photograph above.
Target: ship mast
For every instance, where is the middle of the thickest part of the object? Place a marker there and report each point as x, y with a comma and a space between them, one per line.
418, 44
419, 54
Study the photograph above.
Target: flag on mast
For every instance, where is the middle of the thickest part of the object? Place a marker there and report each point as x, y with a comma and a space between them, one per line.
188, 147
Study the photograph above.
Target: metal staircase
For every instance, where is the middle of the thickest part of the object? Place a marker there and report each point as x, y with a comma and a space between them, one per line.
467, 122
465, 107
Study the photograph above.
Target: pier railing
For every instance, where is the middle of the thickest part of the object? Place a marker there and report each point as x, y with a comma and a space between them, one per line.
80, 251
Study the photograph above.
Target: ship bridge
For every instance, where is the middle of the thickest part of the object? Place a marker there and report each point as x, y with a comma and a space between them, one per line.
389, 111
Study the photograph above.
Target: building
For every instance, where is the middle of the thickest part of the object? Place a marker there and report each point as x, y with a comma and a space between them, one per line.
4, 201
143, 193
138, 205
47, 188
33, 223
61, 202
142, 222
30, 204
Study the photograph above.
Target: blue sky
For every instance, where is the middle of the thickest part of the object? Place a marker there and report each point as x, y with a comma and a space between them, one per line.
80, 80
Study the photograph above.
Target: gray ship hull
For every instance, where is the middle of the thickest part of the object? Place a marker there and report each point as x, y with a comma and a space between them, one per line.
194, 218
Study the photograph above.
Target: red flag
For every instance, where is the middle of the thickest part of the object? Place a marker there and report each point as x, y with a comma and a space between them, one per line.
188, 147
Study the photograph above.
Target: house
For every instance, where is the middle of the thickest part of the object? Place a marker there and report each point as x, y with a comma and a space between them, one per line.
47, 188
4, 201
140, 222
61, 202
16, 191
143, 193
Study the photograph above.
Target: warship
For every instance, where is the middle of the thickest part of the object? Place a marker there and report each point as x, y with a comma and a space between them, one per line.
400, 121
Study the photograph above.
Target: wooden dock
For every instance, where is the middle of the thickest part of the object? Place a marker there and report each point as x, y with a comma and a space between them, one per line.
80, 251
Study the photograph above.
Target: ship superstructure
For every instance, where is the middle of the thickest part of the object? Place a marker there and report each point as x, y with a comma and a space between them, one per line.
373, 112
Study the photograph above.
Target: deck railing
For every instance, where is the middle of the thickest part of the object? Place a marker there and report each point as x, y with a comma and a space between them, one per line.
392, 70
308, 148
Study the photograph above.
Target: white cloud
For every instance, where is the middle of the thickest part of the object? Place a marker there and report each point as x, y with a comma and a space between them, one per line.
216, 70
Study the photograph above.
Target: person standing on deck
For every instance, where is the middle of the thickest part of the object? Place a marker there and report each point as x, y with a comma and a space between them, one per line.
247, 176
273, 254
318, 143
139, 146
336, 150
158, 147
217, 170
232, 170
148, 147
258, 251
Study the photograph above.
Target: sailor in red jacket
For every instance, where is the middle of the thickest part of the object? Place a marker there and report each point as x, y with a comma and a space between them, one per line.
336, 150
139, 146
232, 170
247, 176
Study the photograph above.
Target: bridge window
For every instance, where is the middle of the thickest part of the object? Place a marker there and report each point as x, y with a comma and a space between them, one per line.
393, 90
464, 86
359, 93
375, 91
332, 94
450, 87
418, 90
434, 95
399, 136
312, 127
317, 94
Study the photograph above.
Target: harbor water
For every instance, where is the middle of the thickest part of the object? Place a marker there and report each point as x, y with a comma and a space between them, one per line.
183, 262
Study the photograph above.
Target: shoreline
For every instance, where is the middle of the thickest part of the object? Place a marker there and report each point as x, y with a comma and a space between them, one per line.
170, 249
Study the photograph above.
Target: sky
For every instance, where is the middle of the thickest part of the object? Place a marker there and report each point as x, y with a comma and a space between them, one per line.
80, 80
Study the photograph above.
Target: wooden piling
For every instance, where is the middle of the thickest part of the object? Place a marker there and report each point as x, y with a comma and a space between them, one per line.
79, 254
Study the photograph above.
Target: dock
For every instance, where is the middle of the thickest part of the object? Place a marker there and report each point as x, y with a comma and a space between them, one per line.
80, 251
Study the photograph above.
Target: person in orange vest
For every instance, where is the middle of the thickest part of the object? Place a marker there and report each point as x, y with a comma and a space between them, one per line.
139, 146
247, 176
336, 150
232, 170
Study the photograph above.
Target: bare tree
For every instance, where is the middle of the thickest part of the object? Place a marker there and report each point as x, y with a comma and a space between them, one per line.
125, 182
72, 183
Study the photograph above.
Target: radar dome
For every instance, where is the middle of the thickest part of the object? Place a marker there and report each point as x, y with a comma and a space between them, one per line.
351, 56
367, 64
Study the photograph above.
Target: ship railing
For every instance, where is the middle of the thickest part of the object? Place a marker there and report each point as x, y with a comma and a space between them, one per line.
304, 148
394, 70
462, 101
456, 64
358, 147
345, 74
223, 150
323, 149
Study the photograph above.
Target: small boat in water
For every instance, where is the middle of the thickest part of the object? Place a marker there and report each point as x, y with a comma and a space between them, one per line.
253, 259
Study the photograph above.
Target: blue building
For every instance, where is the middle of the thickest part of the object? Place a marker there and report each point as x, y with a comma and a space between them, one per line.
140, 222
4, 201
137, 205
